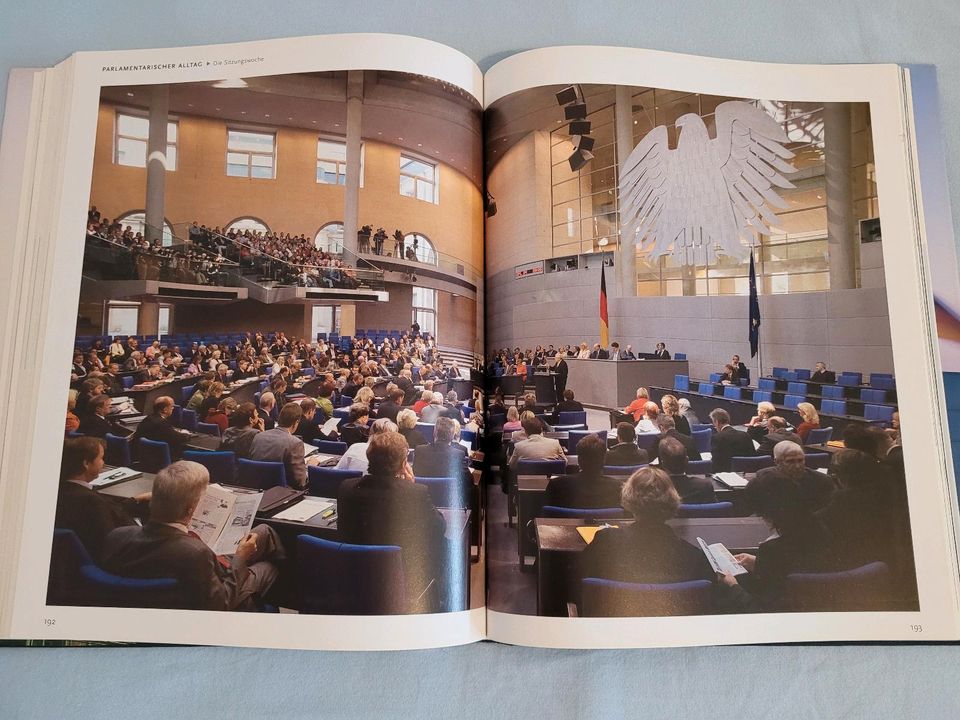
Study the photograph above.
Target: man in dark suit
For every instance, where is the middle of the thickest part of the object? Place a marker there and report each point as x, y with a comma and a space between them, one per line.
626, 452
94, 422
822, 375
405, 383
157, 427
599, 353
560, 371
589, 488
673, 460
661, 352
740, 370
166, 548
386, 507
727, 443
281, 445
568, 404
776, 433
444, 457
355, 430
392, 405
91, 515
790, 480
668, 429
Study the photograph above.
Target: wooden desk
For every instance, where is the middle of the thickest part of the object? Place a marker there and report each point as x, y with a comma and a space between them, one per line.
614, 383
243, 393
559, 546
143, 399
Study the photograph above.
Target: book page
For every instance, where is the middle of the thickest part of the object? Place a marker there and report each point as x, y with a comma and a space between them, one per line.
687, 259
302, 215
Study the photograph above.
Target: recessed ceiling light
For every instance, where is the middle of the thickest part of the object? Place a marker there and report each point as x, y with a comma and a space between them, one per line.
314, 122
336, 124
379, 133
399, 138
266, 114
289, 118
243, 112
419, 144
234, 83
189, 104
217, 109
129, 94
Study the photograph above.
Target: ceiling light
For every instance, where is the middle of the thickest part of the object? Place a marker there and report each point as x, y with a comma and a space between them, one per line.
217, 109
243, 112
129, 94
231, 83
266, 114
189, 104
399, 138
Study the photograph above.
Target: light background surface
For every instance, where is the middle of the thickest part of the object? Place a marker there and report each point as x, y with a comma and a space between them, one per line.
487, 680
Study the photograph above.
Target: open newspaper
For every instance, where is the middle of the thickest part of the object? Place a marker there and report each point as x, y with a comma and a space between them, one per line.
603, 347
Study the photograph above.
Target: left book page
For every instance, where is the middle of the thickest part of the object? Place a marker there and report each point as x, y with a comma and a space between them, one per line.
258, 240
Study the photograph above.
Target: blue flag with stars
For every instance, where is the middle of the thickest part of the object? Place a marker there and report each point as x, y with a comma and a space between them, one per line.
754, 311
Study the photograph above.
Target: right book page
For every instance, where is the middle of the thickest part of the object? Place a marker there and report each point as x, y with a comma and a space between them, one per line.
709, 303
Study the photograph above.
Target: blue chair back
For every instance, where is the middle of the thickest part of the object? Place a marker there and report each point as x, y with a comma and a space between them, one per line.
858, 376
816, 461
573, 417
118, 451
342, 413
833, 407
154, 455
309, 372
208, 429
732, 392
740, 464
612, 598
447, 492
426, 429
791, 401
864, 588
188, 420
621, 469
679, 356
541, 467
848, 380
819, 436
470, 436
883, 413
705, 388
221, 465
186, 392
762, 396
330, 447
681, 382
873, 396
767, 384
555, 511
802, 373
888, 383
833, 392
260, 475
343, 579
715, 377
699, 467
645, 441
575, 436
705, 510
127, 381
325, 481
701, 426
797, 388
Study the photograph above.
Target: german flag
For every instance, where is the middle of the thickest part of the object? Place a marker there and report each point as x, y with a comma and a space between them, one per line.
604, 321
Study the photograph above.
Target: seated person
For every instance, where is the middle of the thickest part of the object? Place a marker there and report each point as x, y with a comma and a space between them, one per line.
776, 433
648, 423
810, 417
628, 354
445, 456
426, 397
165, 548
91, 515
390, 407
687, 412
729, 375
820, 374
386, 507
407, 422
513, 420
94, 422
307, 429
434, 410
757, 427
671, 407
589, 488
268, 406
636, 407
452, 408
568, 404
673, 461
89, 389
72, 421
199, 395
791, 478
646, 550
535, 446
245, 424
661, 352
626, 452
355, 429
220, 416
727, 442
281, 445
355, 458
158, 427
668, 429
599, 353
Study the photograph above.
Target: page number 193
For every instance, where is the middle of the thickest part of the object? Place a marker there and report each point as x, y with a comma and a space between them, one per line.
916, 628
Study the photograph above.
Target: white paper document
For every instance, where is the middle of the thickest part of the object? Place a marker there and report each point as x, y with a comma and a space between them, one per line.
304, 510
224, 517
731, 479
330, 425
114, 476
720, 558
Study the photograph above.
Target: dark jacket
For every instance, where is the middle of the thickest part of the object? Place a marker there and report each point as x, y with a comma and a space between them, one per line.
626, 454
727, 444
694, 489
238, 441
583, 491
161, 429
689, 444
771, 439
91, 515
440, 460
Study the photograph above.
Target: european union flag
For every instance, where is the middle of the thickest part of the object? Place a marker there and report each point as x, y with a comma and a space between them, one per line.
754, 311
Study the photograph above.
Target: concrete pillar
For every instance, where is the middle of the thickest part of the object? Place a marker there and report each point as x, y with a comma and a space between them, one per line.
351, 197
156, 161
348, 319
148, 319
626, 258
841, 235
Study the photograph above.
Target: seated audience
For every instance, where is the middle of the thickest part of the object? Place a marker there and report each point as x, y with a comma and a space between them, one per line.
791, 477
89, 389
626, 452
281, 445
95, 423
513, 420
391, 407
811, 420
268, 405
307, 429
355, 429
661, 352
589, 488
452, 408
426, 397
727, 443
646, 550
356, 456
90, 514
407, 422
636, 407
158, 427
165, 548
673, 461
535, 446
220, 416
445, 456
668, 429
245, 424
386, 507
568, 404
211, 401
820, 374
671, 407
434, 410
73, 422
776, 433
648, 423
687, 412
757, 427
199, 395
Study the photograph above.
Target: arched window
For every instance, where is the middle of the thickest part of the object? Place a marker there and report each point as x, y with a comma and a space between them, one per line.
330, 238
420, 247
247, 223
138, 223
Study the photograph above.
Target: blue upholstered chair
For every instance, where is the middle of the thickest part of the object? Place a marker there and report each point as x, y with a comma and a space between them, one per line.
797, 388
330, 447
186, 392
621, 470
128, 381
645, 441
260, 475
221, 465
705, 510
188, 420
611, 598
555, 511
740, 464
681, 382
833, 407
816, 461
118, 451
819, 436
154, 455
732, 392
447, 492
883, 413
699, 467
832, 392
768, 384
571, 417
426, 429
762, 396
791, 401
342, 579
325, 482
870, 395
864, 588
208, 429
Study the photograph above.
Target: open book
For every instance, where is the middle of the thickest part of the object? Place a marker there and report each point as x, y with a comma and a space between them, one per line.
646, 294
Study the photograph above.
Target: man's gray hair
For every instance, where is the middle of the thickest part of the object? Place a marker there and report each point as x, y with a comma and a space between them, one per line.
176, 490
784, 448
437, 399
406, 419
383, 425
446, 430
451, 396
267, 399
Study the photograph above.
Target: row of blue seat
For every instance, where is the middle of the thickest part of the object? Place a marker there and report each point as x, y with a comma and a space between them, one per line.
881, 381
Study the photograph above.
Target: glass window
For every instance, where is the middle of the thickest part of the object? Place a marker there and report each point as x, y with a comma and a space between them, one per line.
418, 179
251, 154
138, 223
163, 320
425, 309
330, 239
420, 247
131, 133
326, 319
332, 162
122, 318
247, 223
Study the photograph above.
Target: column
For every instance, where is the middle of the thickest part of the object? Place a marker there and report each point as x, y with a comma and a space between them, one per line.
351, 197
348, 319
156, 161
626, 258
841, 235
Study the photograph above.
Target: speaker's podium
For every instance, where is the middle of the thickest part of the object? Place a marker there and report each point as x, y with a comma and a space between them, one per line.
614, 383
545, 387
